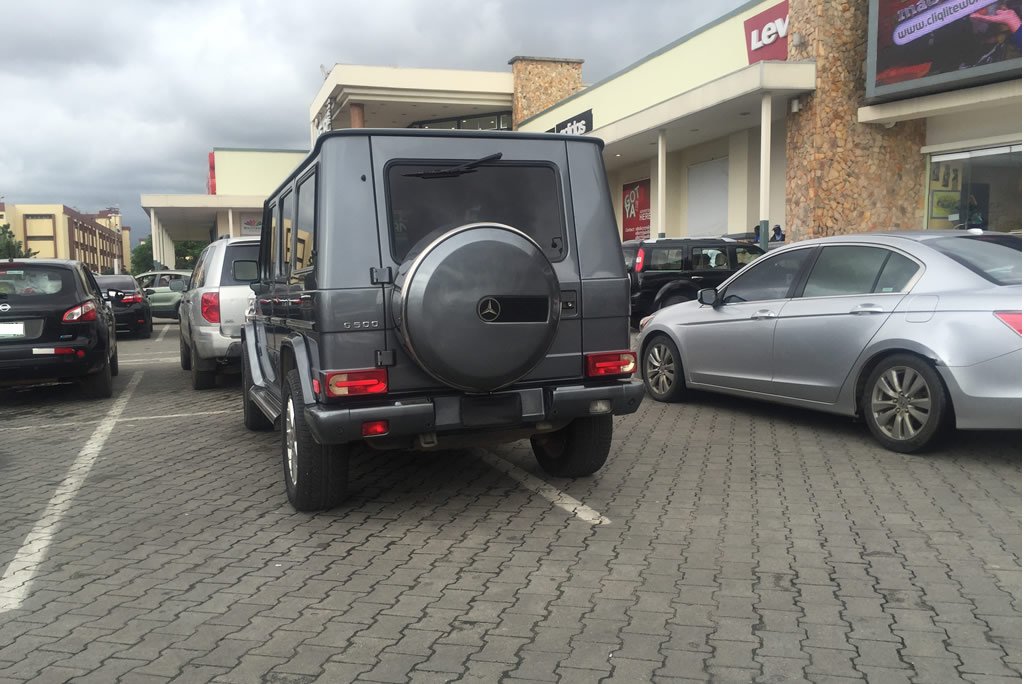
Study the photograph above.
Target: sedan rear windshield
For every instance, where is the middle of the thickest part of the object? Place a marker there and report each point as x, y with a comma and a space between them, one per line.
523, 196
35, 283
996, 258
123, 283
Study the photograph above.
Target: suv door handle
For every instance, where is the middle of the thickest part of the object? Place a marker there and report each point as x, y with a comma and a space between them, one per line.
696, 277
867, 309
762, 314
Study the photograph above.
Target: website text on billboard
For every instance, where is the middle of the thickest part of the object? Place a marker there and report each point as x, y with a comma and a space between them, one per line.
941, 15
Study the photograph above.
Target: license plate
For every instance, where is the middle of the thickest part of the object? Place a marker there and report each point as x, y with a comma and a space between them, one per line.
502, 409
12, 329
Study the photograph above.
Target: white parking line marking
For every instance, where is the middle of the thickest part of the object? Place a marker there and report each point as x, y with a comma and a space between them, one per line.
149, 360
125, 420
552, 494
163, 333
19, 574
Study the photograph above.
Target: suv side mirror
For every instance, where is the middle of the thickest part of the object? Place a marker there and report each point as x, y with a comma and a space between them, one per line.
708, 296
177, 285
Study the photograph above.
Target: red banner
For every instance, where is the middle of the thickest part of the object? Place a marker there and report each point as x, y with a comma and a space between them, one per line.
636, 210
766, 34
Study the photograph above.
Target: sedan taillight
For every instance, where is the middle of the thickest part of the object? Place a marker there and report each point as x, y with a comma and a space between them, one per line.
1010, 318
132, 298
86, 311
209, 306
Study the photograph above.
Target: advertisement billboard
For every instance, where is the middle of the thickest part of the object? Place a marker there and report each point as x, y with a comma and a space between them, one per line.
636, 210
926, 46
767, 34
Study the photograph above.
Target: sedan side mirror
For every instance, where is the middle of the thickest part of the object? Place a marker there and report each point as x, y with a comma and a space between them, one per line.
708, 296
149, 291
177, 285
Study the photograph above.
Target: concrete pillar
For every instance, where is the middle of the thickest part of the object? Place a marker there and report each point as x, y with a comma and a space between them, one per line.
662, 184
231, 222
764, 196
356, 118
155, 236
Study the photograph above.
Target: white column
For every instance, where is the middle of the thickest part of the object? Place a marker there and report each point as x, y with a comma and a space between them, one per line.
662, 185
154, 235
766, 166
231, 222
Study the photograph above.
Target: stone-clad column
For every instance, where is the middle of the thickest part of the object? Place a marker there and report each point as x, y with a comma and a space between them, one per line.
540, 82
843, 176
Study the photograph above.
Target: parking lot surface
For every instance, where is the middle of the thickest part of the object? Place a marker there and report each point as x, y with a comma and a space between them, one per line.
147, 538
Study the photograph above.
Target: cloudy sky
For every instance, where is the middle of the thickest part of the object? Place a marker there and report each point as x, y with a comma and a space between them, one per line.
102, 101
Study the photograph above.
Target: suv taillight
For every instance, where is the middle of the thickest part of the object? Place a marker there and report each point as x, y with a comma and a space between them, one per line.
209, 305
639, 265
86, 311
351, 383
1010, 318
606, 364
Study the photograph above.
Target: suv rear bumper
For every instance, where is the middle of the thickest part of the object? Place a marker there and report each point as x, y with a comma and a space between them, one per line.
29, 363
410, 418
211, 345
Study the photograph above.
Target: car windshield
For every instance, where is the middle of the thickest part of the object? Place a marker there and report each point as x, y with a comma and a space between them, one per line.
34, 283
996, 258
124, 283
425, 205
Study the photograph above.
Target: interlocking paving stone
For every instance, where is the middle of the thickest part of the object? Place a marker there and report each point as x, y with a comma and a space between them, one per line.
747, 542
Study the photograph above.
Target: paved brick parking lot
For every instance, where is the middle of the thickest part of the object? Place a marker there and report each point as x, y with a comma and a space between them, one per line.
743, 542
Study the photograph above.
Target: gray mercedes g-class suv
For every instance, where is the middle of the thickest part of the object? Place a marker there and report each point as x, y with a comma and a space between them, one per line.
421, 289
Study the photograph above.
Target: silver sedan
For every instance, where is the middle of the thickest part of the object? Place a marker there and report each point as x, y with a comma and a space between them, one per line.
916, 332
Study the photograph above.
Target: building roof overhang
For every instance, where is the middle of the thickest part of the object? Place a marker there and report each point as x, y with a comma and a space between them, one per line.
190, 217
939, 104
710, 111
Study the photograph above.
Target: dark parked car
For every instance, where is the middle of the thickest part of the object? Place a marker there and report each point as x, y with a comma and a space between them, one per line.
130, 303
55, 326
422, 289
668, 271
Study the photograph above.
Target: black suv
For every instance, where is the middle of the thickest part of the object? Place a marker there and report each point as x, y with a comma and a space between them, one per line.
667, 271
55, 326
423, 289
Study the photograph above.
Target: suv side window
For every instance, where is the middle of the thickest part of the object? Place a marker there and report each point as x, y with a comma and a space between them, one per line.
199, 275
845, 270
94, 287
666, 259
288, 226
268, 245
771, 278
305, 224
146, 281
710, 259
744, 255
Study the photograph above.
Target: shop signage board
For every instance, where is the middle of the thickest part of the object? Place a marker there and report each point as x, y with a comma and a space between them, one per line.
926, 46
580, 124
767, 34
636, 210
252, 224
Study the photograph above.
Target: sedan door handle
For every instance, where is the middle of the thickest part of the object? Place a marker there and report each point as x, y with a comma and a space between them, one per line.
867, 309
696, 277
763, 314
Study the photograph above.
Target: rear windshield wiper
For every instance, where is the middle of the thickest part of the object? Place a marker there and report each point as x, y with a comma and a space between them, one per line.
452, 171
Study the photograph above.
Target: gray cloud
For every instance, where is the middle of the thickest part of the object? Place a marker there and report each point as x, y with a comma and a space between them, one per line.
105, 100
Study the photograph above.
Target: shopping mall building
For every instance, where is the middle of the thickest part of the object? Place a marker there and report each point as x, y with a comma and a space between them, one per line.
821, 116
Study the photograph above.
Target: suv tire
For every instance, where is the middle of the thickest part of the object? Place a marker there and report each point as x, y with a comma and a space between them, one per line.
577, 450
184, 354
917, 415
315, 475
201, 379
252, 416
99, 385
662, 370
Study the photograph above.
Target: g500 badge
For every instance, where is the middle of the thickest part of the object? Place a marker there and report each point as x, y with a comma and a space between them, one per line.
580, 124
360, 325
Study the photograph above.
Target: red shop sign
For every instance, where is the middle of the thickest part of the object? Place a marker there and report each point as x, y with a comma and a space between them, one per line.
766, 34
636, 210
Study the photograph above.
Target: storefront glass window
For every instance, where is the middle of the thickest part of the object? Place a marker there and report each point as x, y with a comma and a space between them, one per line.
976, 189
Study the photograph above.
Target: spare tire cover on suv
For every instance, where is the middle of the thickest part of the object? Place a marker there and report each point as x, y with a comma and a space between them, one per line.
478, 306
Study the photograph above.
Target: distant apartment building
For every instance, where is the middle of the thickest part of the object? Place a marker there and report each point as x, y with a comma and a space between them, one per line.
56, 231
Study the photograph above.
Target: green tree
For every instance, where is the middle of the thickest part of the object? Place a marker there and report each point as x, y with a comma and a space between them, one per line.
187, 252
10, 248
142, 257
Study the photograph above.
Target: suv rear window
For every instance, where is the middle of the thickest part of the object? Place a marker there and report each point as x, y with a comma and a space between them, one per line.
996, 258
526, 197
38, 284
243, 252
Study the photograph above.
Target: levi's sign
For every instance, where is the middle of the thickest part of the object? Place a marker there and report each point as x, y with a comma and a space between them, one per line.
766, 34
580, 124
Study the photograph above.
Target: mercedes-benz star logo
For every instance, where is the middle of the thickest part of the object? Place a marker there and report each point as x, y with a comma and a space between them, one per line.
5, 307
488, 309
